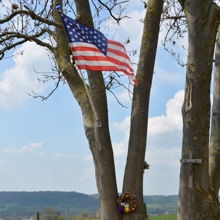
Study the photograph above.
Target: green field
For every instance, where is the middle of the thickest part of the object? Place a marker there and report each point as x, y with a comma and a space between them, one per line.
14, 204
158, 217
163, 217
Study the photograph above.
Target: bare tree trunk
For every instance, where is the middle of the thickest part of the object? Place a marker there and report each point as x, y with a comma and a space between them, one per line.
214, 153
196, 199
133, 178
99, 137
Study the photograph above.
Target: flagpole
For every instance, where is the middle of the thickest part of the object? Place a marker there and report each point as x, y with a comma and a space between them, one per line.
98, 122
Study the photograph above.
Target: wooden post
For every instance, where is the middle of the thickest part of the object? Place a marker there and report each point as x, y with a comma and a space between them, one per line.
191, 161
37, 216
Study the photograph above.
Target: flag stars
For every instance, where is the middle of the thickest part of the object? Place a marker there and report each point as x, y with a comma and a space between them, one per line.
80, 33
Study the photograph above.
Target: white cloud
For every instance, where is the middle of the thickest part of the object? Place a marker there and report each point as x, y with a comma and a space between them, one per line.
120, 148
24, 149
2, 162
123, 126
163, 130
170, 122
21, 79
41, 153
164, 77
60, 155
3, 167
128, 27
163, 149
217, 2
123, 96
168, 157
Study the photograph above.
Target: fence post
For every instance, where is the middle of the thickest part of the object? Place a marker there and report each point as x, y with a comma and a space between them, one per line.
37, 216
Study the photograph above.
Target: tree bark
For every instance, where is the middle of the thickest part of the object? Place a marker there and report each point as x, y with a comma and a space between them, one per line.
98, 137
133, 178
214, 153
197, 202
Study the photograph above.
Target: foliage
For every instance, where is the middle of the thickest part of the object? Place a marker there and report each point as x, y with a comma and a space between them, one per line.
72, 203
161, 204
28, 203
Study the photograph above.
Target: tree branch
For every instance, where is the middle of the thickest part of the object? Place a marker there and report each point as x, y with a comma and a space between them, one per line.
34, 38
111, 8
32, 15
2, 52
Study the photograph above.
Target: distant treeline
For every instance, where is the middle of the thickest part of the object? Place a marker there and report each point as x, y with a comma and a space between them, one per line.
161, 204
28, 203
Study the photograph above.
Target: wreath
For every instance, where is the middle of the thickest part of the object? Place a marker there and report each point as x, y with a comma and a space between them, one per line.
126, 203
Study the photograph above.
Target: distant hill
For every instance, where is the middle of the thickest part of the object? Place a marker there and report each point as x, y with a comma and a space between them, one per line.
161, 204
28, 203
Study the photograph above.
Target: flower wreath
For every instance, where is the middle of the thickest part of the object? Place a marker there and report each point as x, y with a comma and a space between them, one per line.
126, 203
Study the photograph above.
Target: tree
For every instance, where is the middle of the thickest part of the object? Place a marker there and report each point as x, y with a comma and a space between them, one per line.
50, 213
140, 104
37, 21
214, 159
196, 199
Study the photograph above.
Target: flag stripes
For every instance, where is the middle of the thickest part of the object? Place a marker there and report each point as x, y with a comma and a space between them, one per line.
92, 51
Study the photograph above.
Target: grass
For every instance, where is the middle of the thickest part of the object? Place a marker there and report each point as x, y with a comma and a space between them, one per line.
163, 217
158, 217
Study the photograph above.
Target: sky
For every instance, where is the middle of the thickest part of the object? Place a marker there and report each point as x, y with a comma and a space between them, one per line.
43, 145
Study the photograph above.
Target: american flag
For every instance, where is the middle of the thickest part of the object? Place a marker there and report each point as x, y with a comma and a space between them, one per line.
93, 51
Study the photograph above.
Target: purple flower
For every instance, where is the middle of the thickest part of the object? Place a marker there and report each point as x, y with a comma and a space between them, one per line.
121, 209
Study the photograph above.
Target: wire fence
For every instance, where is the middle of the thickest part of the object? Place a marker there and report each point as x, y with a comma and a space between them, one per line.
83, 216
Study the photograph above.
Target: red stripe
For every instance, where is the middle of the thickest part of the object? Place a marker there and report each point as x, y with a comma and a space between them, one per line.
84, 48
119, 53
91, 58
81, 48
115, 63
100, 58
108, 59
116, 43
121, 64
99, 68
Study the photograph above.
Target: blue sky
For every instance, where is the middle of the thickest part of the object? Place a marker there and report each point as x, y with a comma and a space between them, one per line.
43, 146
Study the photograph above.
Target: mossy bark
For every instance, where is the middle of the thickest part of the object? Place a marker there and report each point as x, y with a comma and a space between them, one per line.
133, 178
214, 154
99, 137
198, 202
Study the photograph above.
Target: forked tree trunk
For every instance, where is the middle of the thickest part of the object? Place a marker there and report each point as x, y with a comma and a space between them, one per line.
196, 199
99, 137
214, 153
133, 178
